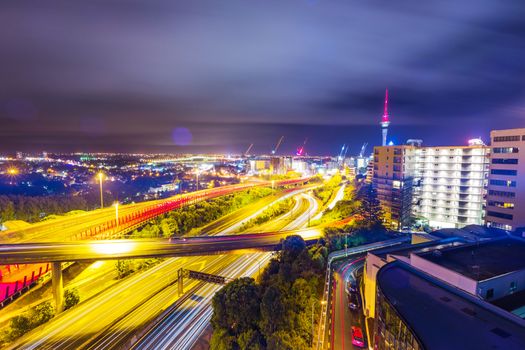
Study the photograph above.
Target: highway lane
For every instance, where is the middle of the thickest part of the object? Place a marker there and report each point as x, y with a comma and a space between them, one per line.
232, 223
82, 324
67, 227
189, 306
183, 325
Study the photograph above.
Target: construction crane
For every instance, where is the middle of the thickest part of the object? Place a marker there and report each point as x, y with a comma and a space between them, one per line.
248, 149
346, 151
363, 148
341, 152
277, 145
300, 150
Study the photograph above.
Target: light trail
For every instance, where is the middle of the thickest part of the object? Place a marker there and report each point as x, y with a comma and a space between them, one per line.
181, 332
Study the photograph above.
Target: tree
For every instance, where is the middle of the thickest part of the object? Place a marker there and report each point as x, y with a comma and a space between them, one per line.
124, 268
292, 246
42, 313
236, 306
222, 340
71, 298
273, 313
370, 208
283, 340
19, 325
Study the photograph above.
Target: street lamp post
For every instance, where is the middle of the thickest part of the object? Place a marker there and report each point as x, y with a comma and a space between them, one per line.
100, 175
197, 182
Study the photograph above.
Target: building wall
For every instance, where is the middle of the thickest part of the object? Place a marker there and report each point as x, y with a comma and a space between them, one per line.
467, 284
393, 179
506, 186
372, 266
390, 331
501, 285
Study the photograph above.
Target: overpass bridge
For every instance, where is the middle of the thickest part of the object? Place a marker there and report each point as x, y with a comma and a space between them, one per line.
104, 224
34, 253
59, 252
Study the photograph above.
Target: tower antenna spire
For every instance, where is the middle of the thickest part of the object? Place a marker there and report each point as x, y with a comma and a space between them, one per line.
385, 120
385, 113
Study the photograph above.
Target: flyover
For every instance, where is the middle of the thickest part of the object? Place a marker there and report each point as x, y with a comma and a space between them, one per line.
34, 253
111, 223
57, 253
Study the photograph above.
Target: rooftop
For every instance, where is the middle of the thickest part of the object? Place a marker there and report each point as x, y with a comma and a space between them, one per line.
514, 303
481, 261
444, 317
471, 233
407, 248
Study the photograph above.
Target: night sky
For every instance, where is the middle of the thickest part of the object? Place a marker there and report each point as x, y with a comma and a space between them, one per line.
215, 76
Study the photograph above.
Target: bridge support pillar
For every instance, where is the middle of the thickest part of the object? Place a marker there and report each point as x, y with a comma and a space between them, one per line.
58, 286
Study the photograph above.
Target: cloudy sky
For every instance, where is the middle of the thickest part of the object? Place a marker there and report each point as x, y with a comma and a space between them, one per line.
208, 75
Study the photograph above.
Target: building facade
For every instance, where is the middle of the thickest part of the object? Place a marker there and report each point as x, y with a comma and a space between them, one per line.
444, 186
506, 185
393, 176
451, 184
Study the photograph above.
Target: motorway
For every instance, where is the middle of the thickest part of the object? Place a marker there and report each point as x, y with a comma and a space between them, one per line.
182, 325
143, 292
68, 227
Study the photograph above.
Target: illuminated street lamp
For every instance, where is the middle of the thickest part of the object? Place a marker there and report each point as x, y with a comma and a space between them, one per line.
323, 302
12, 171
197, 173
100, 178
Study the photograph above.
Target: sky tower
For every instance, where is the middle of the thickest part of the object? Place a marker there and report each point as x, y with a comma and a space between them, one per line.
385, 121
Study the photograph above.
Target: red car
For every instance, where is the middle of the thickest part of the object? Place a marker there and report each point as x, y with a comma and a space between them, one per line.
357, 337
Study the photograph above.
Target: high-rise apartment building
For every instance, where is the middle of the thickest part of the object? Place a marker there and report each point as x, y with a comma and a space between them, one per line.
452, 183
444, 186
506, 185
393, 176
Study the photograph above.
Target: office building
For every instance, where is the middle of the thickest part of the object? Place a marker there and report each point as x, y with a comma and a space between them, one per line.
506, 186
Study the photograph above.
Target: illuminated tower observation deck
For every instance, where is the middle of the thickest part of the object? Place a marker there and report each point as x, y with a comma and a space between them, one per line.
385, 120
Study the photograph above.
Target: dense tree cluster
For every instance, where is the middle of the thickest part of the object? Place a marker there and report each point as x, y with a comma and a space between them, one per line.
368, 226
32, 209
275, 314
269, 214
127, 266
325, 192
71, 298
21, 324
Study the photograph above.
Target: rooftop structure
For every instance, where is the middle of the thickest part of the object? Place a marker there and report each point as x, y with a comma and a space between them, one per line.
418, 311
482, 261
